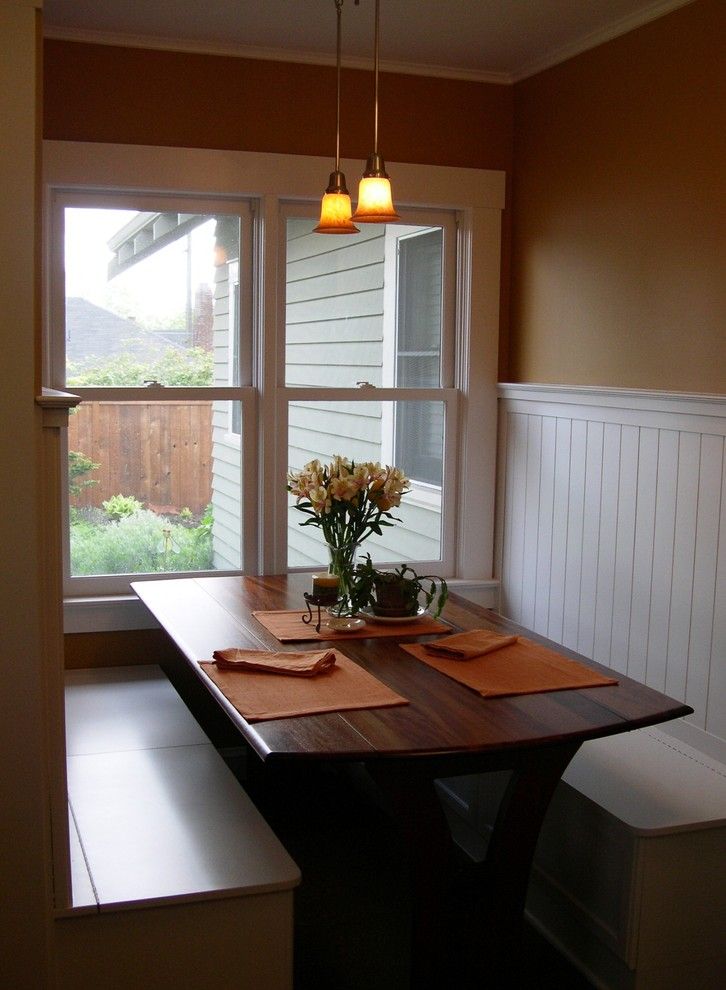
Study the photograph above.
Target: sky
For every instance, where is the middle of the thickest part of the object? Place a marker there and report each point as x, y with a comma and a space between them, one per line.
152, 291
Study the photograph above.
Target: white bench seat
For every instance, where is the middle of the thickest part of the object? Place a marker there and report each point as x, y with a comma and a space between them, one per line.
158, 821
629, 876
653, 782
630, 871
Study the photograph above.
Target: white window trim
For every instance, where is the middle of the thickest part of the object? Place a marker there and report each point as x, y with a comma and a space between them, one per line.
478, 198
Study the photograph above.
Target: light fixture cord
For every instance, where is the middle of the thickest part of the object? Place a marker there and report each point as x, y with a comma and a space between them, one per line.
339, 12
375, 75
375, 81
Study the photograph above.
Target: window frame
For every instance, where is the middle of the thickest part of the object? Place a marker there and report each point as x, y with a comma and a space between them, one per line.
477, 196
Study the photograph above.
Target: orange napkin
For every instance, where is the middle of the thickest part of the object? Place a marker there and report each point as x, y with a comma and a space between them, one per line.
295, 664
466, 645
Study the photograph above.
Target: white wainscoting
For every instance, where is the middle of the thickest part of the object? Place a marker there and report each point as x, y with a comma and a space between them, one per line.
611, 532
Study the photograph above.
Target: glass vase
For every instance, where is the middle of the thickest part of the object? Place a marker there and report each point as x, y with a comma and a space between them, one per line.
341, 562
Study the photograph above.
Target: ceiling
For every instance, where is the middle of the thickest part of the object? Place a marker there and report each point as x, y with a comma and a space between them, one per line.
489, 40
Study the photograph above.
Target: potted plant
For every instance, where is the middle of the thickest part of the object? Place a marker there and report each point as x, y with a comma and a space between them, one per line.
399, 592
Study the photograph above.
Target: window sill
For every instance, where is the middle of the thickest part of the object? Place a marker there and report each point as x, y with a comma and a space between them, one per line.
106, 614
113, 613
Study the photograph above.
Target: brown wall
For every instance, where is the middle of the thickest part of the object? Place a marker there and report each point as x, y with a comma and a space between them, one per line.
134, 96
619, 230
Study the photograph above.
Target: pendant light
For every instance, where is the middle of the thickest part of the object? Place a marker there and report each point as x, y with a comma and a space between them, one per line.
335, 208
375, 203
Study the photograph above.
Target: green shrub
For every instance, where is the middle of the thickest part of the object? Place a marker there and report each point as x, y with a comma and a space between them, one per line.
190, 366
119, 506
141, 543
78, 465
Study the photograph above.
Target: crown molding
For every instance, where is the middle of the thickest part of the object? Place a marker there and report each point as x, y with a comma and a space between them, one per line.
623, 26
596, 38
269, 54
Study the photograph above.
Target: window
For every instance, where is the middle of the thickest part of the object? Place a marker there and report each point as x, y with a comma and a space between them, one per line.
255, 345
419, 426
371, 313
154, 343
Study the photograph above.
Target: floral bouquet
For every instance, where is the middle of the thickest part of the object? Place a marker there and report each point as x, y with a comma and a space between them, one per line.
348, 502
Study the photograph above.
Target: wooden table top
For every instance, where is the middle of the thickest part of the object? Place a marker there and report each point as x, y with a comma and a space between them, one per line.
444, 719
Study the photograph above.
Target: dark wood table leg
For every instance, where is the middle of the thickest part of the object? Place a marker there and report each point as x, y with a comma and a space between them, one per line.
503, 879
411, 798
467, 920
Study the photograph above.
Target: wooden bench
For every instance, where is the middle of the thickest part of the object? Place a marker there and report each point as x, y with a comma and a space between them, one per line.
175, 874
629, 878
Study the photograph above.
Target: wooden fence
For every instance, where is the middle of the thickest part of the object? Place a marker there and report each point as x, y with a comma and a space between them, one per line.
159, 452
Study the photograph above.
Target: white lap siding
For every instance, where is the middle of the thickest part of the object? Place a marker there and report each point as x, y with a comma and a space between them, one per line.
226, 478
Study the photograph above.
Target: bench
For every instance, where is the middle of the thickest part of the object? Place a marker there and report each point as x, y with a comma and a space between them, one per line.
629, 878
630, 873
174, 871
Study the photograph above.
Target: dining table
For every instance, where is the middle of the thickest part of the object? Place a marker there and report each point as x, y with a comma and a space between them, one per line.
423, 725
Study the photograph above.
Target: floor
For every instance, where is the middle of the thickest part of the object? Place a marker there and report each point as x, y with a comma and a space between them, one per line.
351, 910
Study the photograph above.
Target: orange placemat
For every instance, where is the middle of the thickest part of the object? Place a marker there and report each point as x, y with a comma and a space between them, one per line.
343, 687
524, 667
289, 627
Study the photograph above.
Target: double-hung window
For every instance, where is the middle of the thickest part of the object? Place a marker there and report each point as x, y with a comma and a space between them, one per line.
216, 342
369, 368
157, 342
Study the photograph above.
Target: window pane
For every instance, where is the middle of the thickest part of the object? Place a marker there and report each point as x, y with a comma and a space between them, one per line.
419, 433
419, 301
364, 431
358, 308
154, 486
148, 297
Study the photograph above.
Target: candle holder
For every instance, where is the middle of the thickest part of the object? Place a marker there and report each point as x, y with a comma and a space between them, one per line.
318, 601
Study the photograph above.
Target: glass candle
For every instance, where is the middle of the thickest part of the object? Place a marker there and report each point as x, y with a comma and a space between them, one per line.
325, 586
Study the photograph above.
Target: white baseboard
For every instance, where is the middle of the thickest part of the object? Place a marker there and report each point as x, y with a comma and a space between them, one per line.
82, 615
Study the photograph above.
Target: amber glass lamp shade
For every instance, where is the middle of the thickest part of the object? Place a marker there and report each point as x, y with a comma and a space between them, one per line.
335, 212
375, 202
335, 209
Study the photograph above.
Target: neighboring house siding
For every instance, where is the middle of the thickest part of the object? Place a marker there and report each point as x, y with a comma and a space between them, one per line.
334, 336
334, 312
226, 487
225, 492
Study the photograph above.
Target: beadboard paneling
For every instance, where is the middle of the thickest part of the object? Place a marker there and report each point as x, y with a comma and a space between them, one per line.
611, 534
